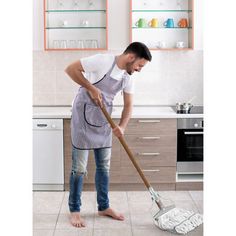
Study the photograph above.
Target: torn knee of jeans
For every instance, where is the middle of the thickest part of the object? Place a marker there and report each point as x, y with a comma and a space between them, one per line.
79, 173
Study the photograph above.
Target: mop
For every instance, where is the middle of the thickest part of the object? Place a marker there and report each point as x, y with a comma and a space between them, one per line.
169, 218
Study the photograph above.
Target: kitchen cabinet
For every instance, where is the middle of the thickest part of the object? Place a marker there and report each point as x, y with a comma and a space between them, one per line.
153, 143
75, 25
162, 24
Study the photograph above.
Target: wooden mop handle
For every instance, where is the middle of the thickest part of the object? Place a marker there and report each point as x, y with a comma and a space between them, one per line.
124, 144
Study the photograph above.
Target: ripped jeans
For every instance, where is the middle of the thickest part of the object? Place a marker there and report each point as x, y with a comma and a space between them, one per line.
79, 169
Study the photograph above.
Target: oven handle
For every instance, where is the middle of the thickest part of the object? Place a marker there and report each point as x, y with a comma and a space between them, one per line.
194, 133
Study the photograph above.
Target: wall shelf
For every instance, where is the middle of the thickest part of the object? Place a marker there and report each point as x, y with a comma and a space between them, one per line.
161, 10
85, 23
75, 28
173, 38
52, 11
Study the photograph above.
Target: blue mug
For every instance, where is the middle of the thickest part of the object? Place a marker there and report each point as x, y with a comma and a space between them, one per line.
169, 23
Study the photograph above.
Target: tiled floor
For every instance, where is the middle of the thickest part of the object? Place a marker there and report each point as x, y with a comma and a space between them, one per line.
51, 215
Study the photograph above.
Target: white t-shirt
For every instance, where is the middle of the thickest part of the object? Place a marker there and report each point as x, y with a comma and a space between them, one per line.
98, 65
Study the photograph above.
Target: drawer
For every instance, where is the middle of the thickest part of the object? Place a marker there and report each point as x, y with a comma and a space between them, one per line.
152, 126
153, 175
151, 140
148, 157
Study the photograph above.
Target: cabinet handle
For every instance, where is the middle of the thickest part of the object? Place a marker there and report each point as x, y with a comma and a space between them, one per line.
193, 133
148, 153
149, 138
156, 170
149, 121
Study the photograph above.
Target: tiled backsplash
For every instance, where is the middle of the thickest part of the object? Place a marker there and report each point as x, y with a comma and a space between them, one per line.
172, 76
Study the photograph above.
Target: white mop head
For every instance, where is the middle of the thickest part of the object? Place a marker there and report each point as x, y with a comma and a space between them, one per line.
178, 220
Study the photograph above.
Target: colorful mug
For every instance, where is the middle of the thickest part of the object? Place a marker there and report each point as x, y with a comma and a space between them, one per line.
153, 23
183, 23
169, 23
141, 23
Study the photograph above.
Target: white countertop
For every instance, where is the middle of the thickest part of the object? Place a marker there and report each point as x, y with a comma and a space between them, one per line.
151, 112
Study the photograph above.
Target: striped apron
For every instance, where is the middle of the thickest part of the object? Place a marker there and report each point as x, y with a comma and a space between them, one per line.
89, 127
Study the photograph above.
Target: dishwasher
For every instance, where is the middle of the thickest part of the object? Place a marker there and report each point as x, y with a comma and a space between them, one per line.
48, 161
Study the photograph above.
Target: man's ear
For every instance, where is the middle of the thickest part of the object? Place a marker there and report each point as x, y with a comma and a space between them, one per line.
131, 57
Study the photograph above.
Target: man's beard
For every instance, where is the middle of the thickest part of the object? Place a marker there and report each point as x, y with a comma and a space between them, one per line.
129, 67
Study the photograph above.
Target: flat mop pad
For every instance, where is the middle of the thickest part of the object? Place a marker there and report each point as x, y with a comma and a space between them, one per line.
178, 221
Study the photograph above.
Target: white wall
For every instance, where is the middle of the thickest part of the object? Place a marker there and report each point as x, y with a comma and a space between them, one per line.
172, 76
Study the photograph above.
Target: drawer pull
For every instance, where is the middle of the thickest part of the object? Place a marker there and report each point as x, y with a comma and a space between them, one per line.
149, 121
149, 138
148, 153
156, 170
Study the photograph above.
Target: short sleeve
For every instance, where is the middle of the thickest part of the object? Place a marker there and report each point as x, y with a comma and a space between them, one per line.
129, 86
92, 63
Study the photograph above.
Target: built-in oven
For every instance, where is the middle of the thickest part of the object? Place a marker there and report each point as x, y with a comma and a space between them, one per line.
190, 145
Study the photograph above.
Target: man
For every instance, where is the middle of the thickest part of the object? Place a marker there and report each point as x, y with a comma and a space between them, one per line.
105, 75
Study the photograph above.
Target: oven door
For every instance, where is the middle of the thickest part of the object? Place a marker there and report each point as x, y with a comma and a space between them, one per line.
190, 145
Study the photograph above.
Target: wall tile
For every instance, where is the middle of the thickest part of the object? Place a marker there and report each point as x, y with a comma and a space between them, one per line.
171, 76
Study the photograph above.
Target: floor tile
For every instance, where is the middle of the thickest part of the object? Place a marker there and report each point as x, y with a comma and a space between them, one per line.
138, 196
140, 207
104, 222
47, 202
199, 205
64, 221
150, 232
43, 232
76, 232
196, 195
113, 232
142, 221
44, 221
176, 195
187, 205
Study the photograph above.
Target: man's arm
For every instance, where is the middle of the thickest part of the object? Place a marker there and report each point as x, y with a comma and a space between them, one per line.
126, 115
75, 70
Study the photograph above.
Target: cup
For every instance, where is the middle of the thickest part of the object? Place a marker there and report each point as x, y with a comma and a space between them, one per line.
85, 23
161, 44
153, 23
183, 23
169, 23
94, 43
64, 23
72, 44
80, 43
179, 44
56, 44
141, 23
63, 44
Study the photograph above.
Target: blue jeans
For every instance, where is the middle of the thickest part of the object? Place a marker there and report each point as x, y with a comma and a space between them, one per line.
79, 170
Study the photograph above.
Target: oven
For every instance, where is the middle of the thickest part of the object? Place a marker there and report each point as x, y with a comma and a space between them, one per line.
190, 145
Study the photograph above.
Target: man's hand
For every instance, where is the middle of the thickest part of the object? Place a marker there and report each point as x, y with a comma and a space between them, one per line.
118, 131
96, 95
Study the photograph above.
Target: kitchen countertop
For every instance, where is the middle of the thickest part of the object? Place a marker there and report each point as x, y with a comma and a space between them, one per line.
49, 112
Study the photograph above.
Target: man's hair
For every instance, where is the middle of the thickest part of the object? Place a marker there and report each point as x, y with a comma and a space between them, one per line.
139, 49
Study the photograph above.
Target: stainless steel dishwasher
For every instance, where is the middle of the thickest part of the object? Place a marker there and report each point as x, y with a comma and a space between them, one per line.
48, 161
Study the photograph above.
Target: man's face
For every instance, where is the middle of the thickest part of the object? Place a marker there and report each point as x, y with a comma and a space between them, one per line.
135, 64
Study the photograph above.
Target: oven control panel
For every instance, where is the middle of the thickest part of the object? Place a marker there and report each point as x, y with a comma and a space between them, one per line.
190, 123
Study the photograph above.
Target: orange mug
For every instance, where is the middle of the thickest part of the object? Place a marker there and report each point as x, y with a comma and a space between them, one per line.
183, 23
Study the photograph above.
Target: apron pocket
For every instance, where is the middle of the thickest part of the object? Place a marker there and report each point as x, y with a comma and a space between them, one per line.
93, 115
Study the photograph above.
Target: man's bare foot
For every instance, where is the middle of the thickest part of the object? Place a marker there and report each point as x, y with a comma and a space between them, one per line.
76, 219
110, 212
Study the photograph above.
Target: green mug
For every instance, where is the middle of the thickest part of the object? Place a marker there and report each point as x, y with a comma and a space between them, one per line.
141, 23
